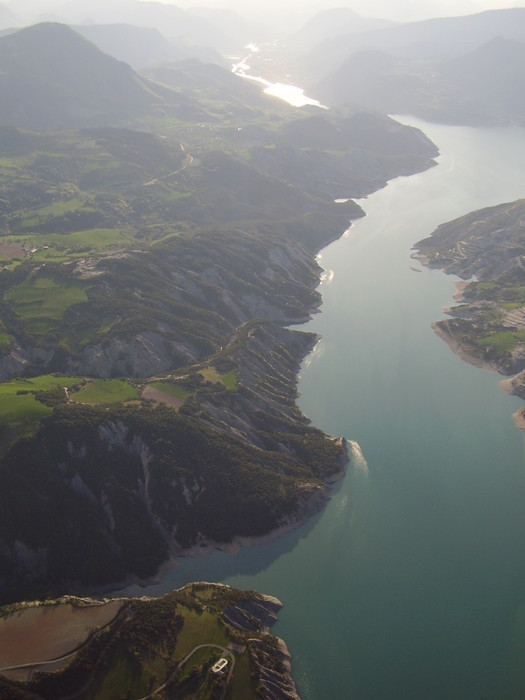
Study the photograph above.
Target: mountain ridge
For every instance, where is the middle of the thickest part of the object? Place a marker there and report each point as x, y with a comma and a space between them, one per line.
479, 87
39, 89
432, 38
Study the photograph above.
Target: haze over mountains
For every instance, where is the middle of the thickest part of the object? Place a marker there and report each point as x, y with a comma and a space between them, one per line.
456, 70
213, 29
434, 37
334, 22
465, 69
7, 17
40, 89
479, 87
142, 47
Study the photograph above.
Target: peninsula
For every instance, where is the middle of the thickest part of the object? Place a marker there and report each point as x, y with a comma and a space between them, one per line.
187, 643
485, 248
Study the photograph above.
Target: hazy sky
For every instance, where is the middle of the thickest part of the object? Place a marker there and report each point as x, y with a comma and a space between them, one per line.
399, 10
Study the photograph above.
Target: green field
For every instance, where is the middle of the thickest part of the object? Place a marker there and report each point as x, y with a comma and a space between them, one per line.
60, 247
503, 342
229, 379
242, 685
165, 238
199, 626
102, 392
122, 673
36, 216
41, 301
18, 404
5, 338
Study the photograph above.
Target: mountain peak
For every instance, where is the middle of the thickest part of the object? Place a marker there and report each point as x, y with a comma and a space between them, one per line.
51, 77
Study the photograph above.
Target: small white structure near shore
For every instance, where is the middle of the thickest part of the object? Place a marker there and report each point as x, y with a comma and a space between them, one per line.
219, 666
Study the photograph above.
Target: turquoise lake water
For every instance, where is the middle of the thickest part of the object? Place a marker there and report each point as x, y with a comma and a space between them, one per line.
411, 583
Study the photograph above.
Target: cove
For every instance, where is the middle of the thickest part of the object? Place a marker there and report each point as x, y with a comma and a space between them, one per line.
411, 583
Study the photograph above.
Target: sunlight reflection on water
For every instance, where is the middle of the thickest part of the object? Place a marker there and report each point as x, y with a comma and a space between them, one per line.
289, 93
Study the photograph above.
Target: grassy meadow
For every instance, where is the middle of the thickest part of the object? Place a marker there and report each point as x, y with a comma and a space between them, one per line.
104, 392
228, 379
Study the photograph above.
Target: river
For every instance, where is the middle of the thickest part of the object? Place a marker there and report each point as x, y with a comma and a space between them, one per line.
411, 583
291, 94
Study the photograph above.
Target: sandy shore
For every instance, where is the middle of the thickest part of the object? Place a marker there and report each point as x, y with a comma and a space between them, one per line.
514, 385
460, 351
460, 288
508, 385
206, 547
519, 419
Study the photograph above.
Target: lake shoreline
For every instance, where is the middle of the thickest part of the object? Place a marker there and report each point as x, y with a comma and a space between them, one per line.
507, 385
206, 547
460, 351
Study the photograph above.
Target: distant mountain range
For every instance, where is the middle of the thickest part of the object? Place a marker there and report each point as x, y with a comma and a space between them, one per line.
231, 24
51, 77
221, 30
475, 77
213, 84
142, 47
434, 38
333, 23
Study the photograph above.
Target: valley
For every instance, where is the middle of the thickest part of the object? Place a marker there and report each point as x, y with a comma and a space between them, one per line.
172, 262
164, 226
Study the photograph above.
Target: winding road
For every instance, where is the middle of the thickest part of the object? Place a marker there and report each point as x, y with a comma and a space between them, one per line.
187, 162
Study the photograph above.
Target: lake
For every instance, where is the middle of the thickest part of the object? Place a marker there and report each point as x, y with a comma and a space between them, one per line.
411, 583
